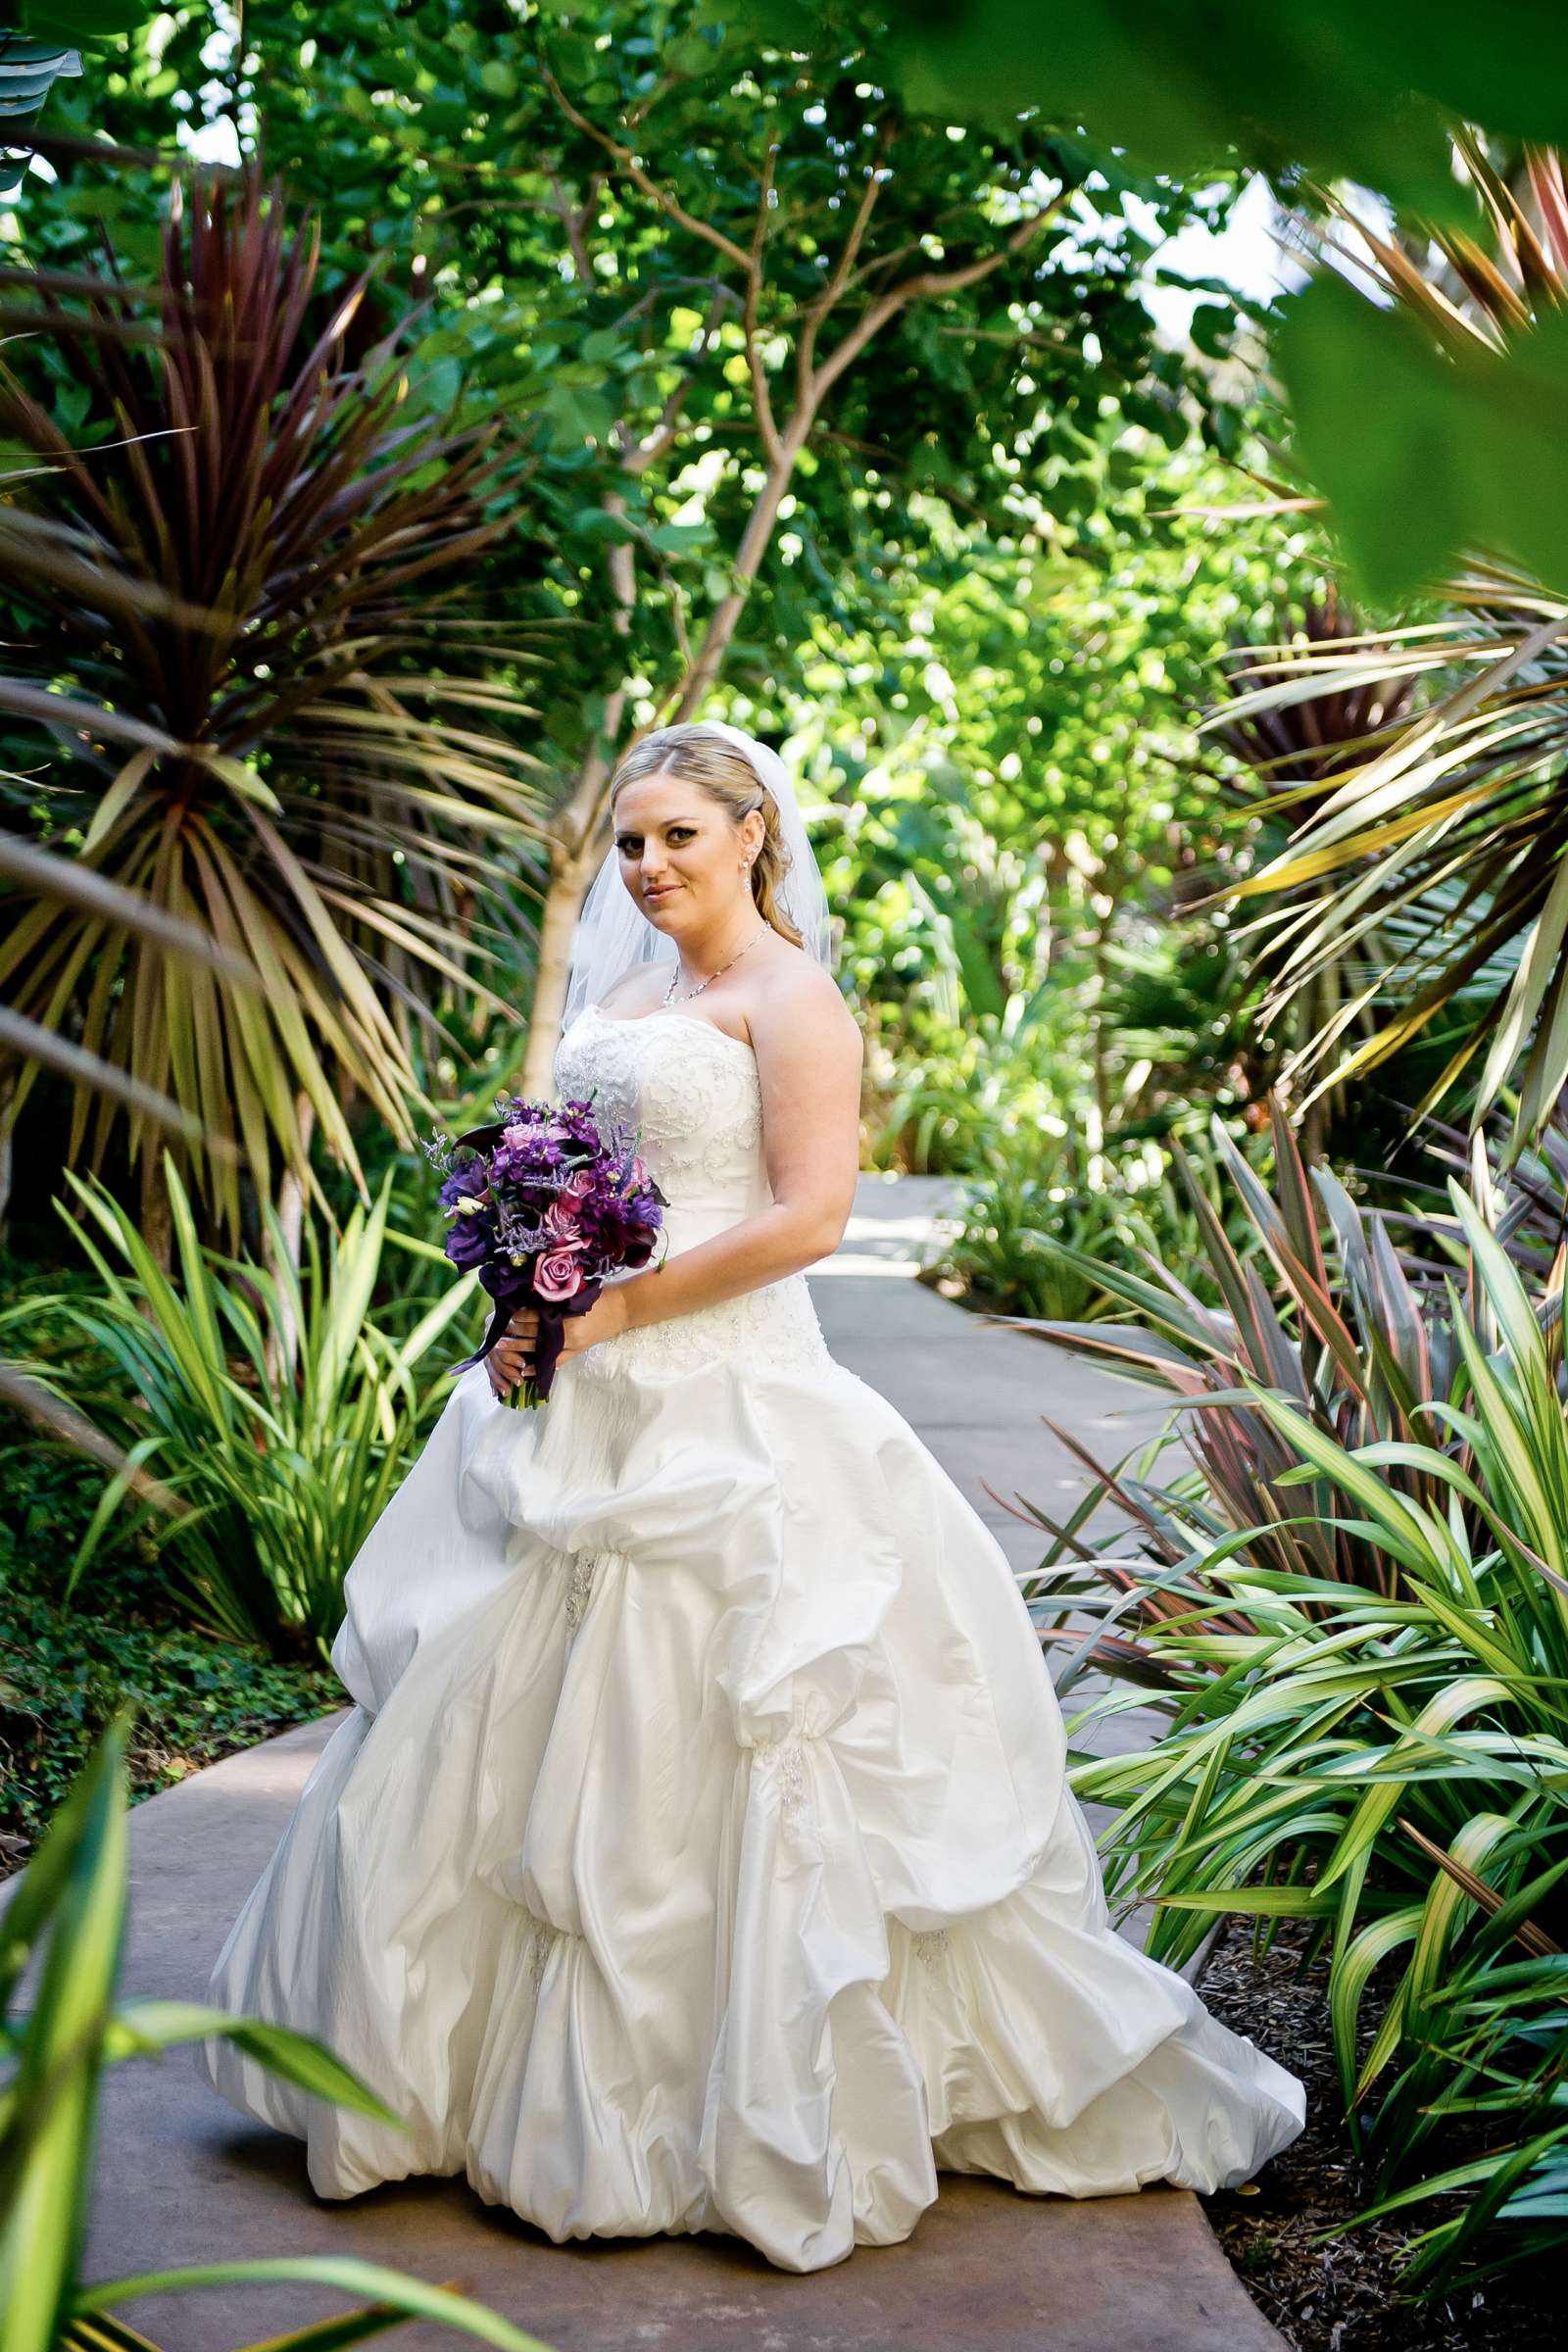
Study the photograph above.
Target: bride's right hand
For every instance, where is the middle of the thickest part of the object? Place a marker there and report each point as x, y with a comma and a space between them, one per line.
512, 1356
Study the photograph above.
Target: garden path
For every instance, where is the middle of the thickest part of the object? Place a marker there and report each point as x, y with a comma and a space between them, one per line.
182, 2179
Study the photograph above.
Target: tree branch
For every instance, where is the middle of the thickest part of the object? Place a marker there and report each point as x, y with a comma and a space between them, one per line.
575, 221
725, 615
926, 283
817, 309
640, 179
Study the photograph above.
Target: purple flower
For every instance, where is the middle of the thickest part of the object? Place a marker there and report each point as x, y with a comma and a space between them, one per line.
558, 1275
547, 1203
468, 1183
469, 1241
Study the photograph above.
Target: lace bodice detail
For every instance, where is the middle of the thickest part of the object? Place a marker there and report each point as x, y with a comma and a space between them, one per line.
692, 1089
694, 1094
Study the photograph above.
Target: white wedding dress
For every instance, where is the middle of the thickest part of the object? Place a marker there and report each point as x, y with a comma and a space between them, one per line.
697, 1854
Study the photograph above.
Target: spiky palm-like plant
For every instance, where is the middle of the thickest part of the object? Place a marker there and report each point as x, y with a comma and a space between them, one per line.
1353, 1607
1447, 831
313, 753
1288, 748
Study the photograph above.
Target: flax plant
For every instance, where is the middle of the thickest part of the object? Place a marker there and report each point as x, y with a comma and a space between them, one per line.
1354, 1350
271, 1466
311, 751
1447, 829
1285, 749
1354, 1609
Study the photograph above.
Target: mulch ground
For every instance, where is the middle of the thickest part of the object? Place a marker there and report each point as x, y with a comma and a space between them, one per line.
1343, 2295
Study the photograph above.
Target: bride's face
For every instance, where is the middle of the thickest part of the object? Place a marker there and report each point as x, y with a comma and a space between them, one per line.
680, 851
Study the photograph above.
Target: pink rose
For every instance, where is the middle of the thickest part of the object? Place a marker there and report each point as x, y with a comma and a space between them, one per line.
563, 1227
558, 1275
578, 1184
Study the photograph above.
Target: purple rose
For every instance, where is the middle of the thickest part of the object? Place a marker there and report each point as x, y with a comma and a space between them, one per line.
558, 1275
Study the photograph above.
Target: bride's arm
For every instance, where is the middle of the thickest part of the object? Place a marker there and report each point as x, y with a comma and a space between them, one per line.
808, 1058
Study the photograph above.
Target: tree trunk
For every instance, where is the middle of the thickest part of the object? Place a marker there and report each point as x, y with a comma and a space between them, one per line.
754, 540
569, 877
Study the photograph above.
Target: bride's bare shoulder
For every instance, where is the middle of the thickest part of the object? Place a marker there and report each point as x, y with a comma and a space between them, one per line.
797, 1003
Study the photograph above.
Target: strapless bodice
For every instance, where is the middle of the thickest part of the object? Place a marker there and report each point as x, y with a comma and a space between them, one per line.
695, 1094
692, 1090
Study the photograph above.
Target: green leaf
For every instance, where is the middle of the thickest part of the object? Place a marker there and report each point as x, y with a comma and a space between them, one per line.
1374, 426
85, 20
1425, 453
412, 2296
46, 2145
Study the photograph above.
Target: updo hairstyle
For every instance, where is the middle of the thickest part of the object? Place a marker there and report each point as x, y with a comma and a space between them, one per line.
697, 756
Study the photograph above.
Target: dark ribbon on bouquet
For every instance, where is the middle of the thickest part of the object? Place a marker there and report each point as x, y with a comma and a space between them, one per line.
551, 1331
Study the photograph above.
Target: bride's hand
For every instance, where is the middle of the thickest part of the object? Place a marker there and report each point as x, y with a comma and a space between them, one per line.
513, 1356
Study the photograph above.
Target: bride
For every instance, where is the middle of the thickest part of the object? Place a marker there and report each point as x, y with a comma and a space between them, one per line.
697, 1852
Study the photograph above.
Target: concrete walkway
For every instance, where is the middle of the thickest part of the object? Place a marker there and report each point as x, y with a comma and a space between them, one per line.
181, 2179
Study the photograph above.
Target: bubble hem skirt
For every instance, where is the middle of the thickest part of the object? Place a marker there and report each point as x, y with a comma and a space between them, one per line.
698, 1853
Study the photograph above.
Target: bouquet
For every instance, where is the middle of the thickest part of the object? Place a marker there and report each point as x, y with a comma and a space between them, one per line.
542, 1204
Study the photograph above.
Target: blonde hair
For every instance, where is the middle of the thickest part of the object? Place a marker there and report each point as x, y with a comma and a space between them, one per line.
697, 756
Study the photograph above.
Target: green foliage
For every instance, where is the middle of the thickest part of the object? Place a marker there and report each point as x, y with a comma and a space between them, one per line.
1419, 454
275, 1415
1362, 90
66, 1665
615, 327
951, 1099
1500, 2029
66, 1921
1018, 812
943, 1100
1042, 1232
675, 261
1475, 461
65, 1671
1043, 689
1354, 1609
1172, 1040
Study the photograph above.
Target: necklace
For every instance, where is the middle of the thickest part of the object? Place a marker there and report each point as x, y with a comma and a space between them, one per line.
723, 967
